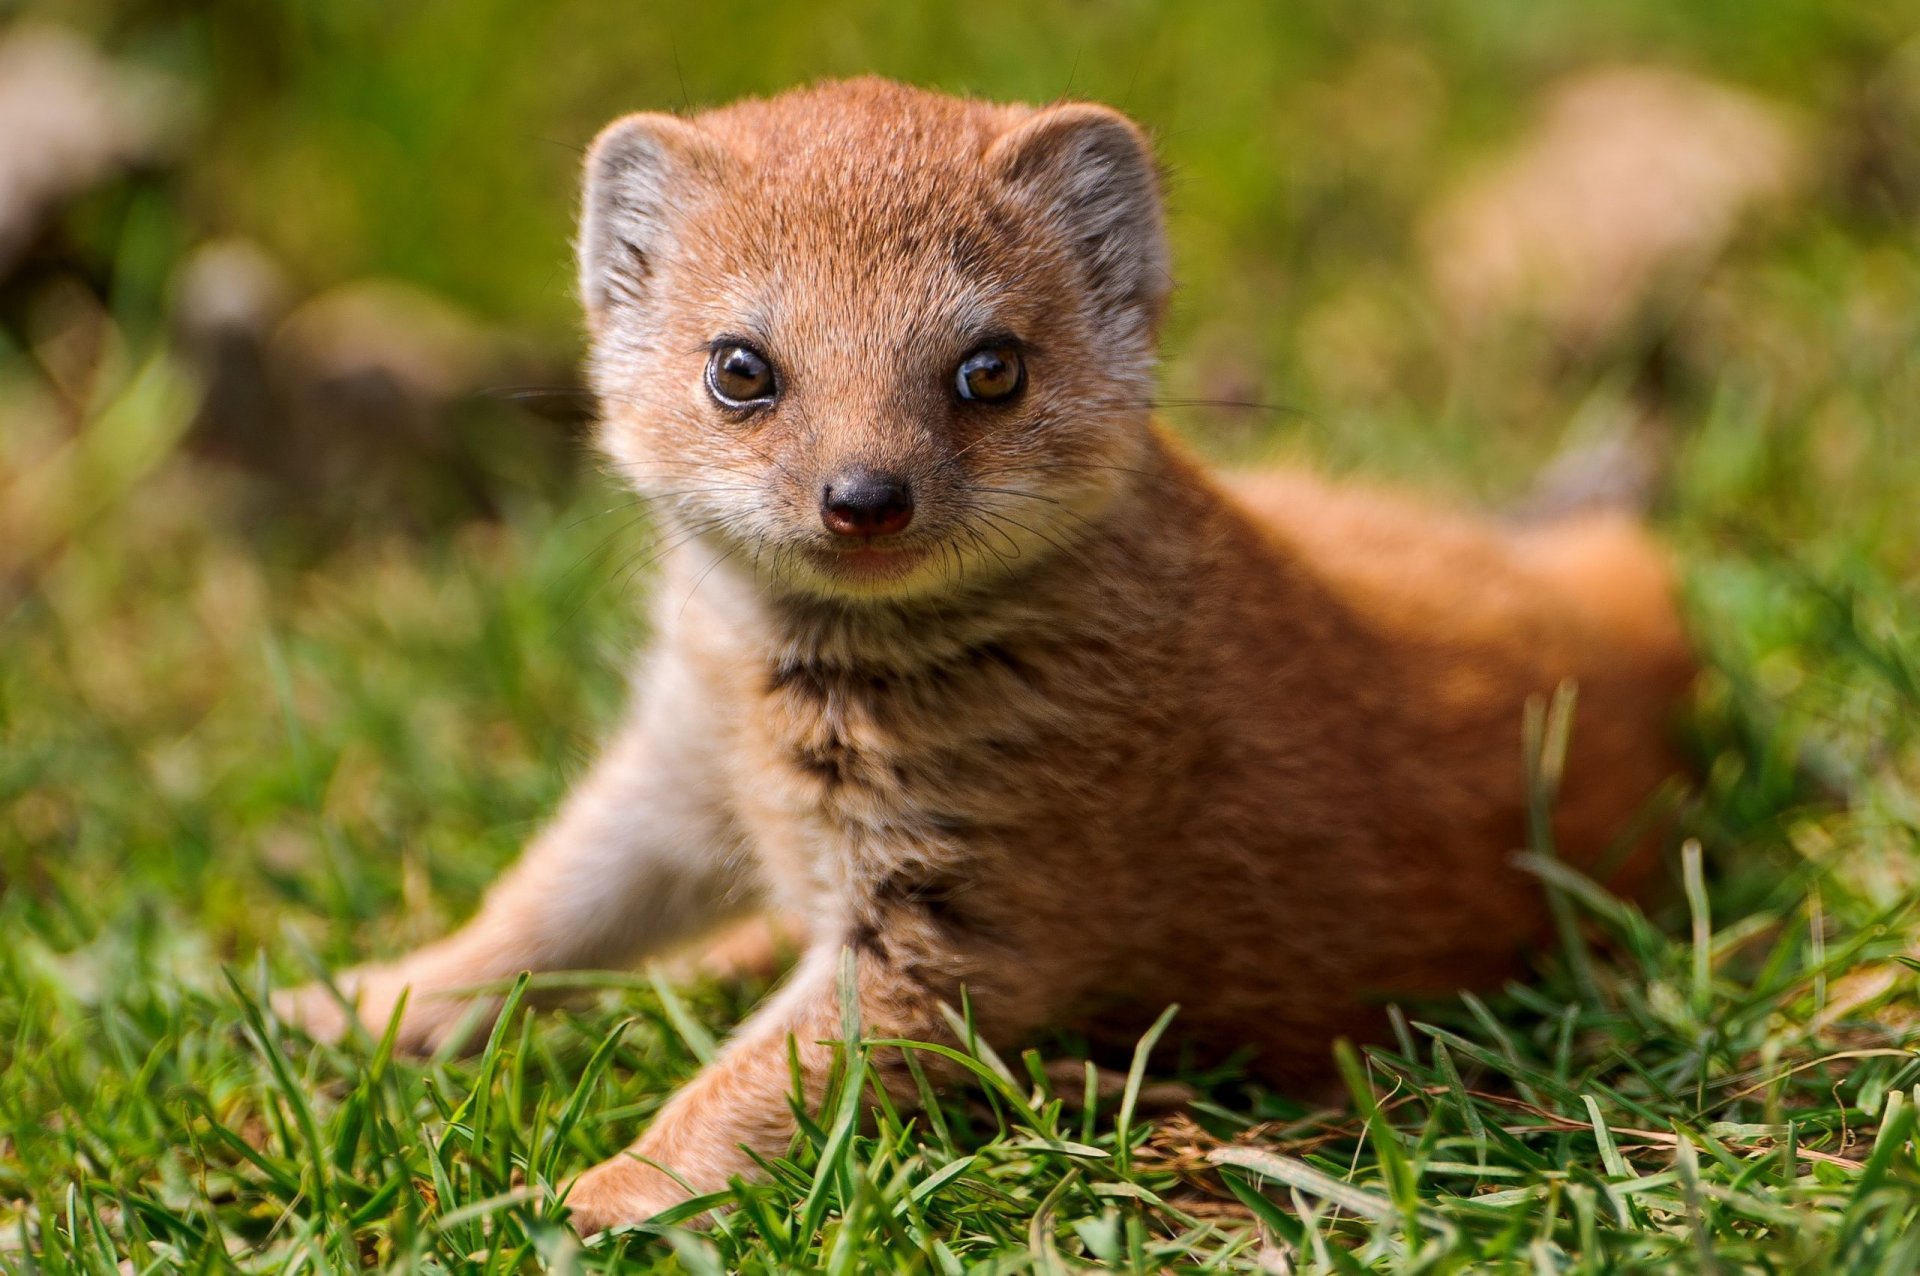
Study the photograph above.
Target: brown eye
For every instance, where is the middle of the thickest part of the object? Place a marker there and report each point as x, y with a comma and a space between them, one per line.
990, 374
739, 376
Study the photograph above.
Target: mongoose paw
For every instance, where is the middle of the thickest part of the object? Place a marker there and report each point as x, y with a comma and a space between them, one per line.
314, 1010
618, 1191
371, 996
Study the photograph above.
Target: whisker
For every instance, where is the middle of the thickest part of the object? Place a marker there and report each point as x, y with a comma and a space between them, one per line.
1061, 505
1079, 465
1250, 405
1075, 555
681, 537
988, 436
701, 579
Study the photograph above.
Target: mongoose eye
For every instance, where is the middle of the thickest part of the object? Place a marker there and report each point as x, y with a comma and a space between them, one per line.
990, 374
739, 376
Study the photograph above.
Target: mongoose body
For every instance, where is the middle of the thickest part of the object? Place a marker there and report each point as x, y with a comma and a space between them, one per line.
961, 663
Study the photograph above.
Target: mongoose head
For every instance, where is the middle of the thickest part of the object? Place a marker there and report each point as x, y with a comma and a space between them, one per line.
874, 342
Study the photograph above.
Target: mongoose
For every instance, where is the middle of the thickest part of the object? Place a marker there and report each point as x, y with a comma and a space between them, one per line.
963, 664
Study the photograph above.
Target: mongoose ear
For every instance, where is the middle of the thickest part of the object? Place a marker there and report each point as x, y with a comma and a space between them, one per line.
1091, 171
643, 171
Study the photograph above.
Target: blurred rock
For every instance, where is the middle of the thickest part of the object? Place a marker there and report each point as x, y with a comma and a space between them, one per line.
230, 297
1631, 181
374, 397
69, 120
381, 360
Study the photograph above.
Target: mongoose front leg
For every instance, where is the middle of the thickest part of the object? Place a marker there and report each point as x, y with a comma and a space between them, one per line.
740, 1100
640, 857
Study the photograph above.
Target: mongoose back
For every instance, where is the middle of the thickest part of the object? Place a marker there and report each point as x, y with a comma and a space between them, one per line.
961, 663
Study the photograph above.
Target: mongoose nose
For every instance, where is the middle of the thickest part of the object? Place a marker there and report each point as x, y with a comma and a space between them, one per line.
862, 503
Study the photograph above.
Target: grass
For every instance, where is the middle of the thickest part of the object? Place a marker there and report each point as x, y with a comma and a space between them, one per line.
234, 751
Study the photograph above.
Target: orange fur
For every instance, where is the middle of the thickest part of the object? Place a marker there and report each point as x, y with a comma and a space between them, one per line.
1098, 731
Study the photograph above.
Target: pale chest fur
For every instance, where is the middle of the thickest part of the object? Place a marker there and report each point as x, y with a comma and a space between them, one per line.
855, 775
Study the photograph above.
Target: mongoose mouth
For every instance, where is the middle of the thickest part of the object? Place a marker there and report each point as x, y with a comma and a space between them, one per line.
871, 562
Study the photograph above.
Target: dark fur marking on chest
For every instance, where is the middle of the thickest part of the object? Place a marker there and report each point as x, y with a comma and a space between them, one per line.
937, 896
865, 938
806, 679
825, 681
830, 762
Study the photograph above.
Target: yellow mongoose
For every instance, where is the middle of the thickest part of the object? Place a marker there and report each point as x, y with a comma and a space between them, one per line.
961, 663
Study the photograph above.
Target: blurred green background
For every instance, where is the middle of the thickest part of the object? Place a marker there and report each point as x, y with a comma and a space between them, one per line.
312, 598
437, 144
298, 348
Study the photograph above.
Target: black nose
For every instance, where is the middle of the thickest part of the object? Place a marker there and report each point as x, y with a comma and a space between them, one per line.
863, 503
